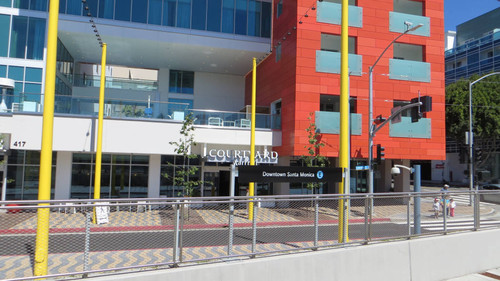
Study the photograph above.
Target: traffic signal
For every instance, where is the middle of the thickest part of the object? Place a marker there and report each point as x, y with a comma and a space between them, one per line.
416, 112
380, 153
478, 154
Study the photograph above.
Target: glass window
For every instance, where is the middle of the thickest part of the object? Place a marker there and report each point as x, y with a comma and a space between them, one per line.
139, 181
241, 17
3, 71
21, 4
254, 8
140, 159
179, 105
332, 103
169, 9
181, 82
36, 38
5, 3
405, 113
38, 5
74, 7
122, 10
34, 89
92, 4
408, 52
4, 34
214, 15
139, 11
33, 74
409, 7
351, 2
199, 14
16, 73
266, 20
106, 9
332, 43
18, 37
279, 8
62, 6
155, 8
228, 16
184, 13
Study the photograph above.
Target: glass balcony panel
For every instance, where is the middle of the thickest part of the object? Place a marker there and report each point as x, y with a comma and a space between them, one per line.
407, 129
409, 70
329, 62
328, 122
116, 83
397, 23
331, 13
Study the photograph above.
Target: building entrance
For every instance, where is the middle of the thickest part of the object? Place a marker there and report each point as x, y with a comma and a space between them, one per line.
217, 181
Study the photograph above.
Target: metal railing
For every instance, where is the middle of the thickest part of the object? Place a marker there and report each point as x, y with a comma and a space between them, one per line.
170, 232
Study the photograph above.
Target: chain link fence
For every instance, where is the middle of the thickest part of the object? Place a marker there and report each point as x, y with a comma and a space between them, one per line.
96, 236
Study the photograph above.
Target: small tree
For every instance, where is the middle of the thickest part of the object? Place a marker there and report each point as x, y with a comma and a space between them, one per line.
314, 159
184, 177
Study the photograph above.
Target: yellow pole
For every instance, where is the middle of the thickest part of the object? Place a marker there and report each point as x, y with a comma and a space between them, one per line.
98, 155
42, 231
344, 120
251, 186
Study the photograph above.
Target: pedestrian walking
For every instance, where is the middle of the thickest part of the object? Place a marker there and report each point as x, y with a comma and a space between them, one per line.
453, 204
436, 207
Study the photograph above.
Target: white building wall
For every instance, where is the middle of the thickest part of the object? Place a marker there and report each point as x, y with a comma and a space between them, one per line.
154, 176
219, 91
63, 175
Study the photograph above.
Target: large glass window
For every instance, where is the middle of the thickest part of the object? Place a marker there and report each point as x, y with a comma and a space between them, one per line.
122, 176
409, 7
279, 8
254, 9
106, 9
351, 2
155, 9
241, 17
171, 164
214, 15
332, 43
411, 52
169, 9
21, 4
18, 37
4, 34
36, 38
139, 11
5, 3
23, 170
74, 7
332, 103
228, 16
38, 5
122, 10
266, 20
199, 14
184, 13
181, 82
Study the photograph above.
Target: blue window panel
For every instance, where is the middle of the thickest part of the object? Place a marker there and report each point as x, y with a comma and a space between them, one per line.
18, 88
266, 20
122, 10
38, 5
18, 37
5, 3
36, 38
240, 22
33, 89
155, 8
214, 15
199, 15
74, 7
3, 71
332, 12
228, 16
139, 11
406, 129
106, 9
92, 4
4, 34
329, 62
329, 122
169, 10
409, 70
33, 74
21, 4
397, 23
254, 9
184, 13
16, 73
62, 6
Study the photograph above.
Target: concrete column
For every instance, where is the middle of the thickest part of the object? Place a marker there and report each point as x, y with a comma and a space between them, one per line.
402, 181
154, 176
63, 175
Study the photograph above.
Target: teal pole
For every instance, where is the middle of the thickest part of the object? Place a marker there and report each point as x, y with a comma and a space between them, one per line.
416, 205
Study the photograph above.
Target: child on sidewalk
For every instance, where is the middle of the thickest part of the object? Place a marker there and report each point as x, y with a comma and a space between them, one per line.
452, 207
436, 207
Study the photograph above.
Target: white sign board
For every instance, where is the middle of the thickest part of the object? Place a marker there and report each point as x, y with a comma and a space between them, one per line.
102, 214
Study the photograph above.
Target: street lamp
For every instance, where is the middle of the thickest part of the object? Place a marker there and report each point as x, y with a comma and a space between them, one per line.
370, 100
416, 171
471, 136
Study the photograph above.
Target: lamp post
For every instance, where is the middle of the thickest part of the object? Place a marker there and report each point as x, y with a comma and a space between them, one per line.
471, 136
371, 133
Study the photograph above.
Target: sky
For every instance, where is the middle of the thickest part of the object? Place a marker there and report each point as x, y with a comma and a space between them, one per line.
460, 11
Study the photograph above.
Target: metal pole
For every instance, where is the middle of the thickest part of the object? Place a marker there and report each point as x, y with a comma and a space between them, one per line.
367, 211
87, 241
408, 219
316, 223
416, 207
477, 214
251, 185
231, 211
254, 232
4, 179
176, 233
42, 232
471, 145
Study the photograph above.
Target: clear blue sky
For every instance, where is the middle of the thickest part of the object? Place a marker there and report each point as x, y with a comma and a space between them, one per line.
460, 11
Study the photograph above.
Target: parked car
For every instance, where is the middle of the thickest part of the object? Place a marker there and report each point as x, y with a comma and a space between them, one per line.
491, 198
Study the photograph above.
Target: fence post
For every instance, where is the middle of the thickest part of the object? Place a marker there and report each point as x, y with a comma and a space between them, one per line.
176, 233
477, 211
316, 222
231, 229
367, 214
416, 201
181, 220
408, 217
87, 242
254, 230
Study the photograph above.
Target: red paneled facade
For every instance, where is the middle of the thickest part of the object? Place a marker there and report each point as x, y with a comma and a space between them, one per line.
293, 78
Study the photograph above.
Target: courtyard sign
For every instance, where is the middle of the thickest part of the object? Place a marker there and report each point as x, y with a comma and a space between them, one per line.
241, 157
